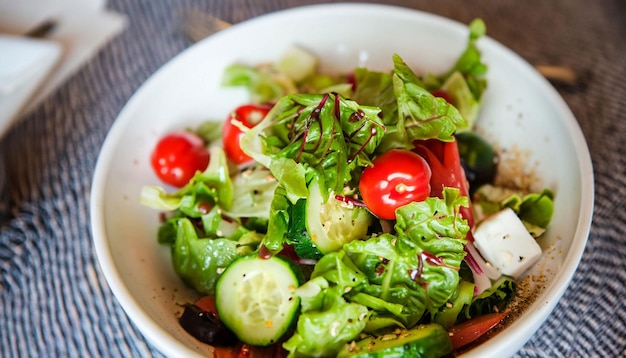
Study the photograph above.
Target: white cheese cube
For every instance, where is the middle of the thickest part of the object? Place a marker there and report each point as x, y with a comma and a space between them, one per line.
503, 241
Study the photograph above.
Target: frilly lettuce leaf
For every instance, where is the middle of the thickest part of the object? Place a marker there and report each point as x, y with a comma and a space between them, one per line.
323, 333
199, 261
410, 111
327, 321
315, 135
203, 240
388, 269
470, 63
374, 88
419, 266
421, 115
253, 191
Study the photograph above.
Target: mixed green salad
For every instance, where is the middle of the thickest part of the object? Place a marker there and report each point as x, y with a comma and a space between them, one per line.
339, 215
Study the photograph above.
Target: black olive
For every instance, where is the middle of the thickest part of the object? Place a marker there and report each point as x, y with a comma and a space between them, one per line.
206, 328
478, 159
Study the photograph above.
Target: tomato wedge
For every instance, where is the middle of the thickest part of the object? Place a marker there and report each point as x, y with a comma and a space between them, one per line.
465, 333
445, 163
249, 115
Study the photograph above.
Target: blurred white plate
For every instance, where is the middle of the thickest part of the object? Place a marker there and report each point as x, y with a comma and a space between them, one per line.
24, 64
522, 112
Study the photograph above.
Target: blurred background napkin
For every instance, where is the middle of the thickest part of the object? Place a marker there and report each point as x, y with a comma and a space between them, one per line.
81, 28
24, 65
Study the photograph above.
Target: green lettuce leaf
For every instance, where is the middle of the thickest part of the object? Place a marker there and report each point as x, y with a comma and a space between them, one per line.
389, 271
420, 114
327, 321
199, 262
493, 299
435, 229
278, 225
253, 192
374, 88
327, 135
418, 267
324, 332
448, 315
470, 62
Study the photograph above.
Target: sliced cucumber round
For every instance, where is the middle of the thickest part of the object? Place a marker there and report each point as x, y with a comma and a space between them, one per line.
333, 223
255, 298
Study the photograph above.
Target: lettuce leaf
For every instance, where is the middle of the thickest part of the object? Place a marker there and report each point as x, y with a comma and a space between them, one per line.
253, 192
418, 267
493, 299
409, 111
420, 114
449, 314
458, 88
374, 88
199, 262
470, 63
315, 135
327, 321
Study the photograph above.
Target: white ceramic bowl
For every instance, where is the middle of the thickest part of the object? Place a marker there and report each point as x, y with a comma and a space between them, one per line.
522, 112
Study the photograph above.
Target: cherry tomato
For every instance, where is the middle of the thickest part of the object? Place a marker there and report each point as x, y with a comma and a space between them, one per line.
397, 177
249, 115
469, 331
178, 156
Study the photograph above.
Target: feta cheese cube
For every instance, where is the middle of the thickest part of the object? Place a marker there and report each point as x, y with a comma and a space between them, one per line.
503, 241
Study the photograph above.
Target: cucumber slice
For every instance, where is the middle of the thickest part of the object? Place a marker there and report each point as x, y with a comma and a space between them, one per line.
424, 341
255, 298
333, 223
297, 63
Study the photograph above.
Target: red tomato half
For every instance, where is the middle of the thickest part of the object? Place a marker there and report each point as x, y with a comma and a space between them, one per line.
397, 177
178, 156
445, 162
249, 115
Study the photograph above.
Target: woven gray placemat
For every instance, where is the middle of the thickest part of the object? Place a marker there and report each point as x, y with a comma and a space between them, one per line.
55, 302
